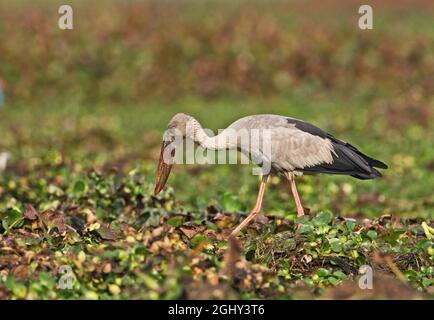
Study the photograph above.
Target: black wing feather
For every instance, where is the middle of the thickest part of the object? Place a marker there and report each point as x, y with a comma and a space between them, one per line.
347, 160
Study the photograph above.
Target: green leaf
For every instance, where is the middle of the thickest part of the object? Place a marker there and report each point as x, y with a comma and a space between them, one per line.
18, 289
175, 221
198, 239
322, 218
372, 234
150, 282
80, 187
411, 274
333, 281
305, 228
427, 282
335, 244
12, 218
321, 272
339, 274
350, 225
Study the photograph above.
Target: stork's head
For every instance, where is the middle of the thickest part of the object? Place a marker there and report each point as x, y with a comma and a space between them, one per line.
180, 124
179, 127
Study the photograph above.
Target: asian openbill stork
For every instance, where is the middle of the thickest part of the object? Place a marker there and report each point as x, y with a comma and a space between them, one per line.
297, 147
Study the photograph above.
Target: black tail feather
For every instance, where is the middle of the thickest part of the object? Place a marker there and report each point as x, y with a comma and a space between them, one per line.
347, 160
371, 161
364, 176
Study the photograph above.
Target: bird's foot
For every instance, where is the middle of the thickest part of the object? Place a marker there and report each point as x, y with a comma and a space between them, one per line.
302, 211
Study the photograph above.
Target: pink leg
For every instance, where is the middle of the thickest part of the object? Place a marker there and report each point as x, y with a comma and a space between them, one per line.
255, 210
300, 210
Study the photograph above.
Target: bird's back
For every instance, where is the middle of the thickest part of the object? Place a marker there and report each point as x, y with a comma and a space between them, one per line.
298, 146
259, 121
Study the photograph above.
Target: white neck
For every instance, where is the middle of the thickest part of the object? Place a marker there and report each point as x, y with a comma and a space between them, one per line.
198, 134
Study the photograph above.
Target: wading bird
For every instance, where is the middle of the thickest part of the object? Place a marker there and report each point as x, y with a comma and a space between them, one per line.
295, 148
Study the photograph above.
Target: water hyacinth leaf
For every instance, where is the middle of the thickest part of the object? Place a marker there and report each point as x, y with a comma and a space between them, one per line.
427, 282
11, 218
372, 234
175, 221
424, 244
321, 272
339, 274
411, 274
335, 245
333, 281
199, 239
80, 187
323, 229
211, 226
323, 218
150, 282
350, 225
305, 228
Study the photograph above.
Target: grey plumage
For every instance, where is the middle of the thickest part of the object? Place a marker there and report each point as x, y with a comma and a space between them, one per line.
299, 147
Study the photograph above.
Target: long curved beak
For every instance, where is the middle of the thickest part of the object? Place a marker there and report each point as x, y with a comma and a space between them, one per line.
164, 165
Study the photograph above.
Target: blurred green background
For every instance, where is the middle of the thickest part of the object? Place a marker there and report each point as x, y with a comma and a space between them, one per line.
99, 96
